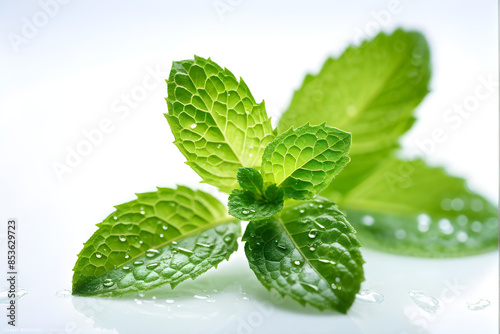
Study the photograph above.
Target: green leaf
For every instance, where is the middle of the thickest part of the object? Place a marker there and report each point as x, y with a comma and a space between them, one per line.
370, 91
251, 180
407, 207
215, 120
162, 237
304, 161
308, 252
253, 203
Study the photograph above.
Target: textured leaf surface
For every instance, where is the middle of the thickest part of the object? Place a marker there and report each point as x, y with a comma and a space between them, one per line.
370, 91
253, 202
162, 237
308, 252
410, 208
304, 161
215, 120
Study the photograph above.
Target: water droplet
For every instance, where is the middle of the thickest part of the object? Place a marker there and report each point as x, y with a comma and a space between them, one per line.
280, 246
219, 146
204, 245
476, 226
302, 210
185, 251
457, 204
337, 279
138, 302
139, 263
63, 293
141, 294
478, 305
476, 205
193, 126
201, 296
143, 212
250, 155
367, 296
98, 255
152, 265
445, 226
427, 303
446, 204
169, 301
368, 220
462, 220
140, 241
127, 268
320, 206
400, 234
245, 212
424, 221
127, 256
318, 224
115, 217
164, 227
122, 238
152, 252
312, 249
313, 233
297, 262
326, 261
108, 282
4, 295
161, 235
462, 236
309, 287
228, 238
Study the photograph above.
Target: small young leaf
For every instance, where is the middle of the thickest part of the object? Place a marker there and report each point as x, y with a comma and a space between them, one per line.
215, 120
305, 160
246, 205
251, 180
308, 252
162, 237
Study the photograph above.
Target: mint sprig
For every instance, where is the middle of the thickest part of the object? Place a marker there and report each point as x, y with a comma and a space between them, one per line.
296, 242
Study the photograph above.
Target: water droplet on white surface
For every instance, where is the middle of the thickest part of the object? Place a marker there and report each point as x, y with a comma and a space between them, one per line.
367, 296
478, 305
201, 297
4, 295
63, 293
169, 301
427, 303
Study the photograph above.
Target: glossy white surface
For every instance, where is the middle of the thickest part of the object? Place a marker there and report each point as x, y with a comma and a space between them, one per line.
73, 73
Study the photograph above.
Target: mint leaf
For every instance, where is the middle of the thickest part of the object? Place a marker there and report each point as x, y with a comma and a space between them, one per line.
308, 252
162, 237
409, 208
370, 91
251, 180
215, 120
253, 203
304, 161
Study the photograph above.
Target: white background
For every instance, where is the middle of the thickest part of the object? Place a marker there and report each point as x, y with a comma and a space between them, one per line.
73, 70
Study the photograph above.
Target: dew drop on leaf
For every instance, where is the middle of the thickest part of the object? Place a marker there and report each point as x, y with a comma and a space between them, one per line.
108, 282
152, 265
313, 233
